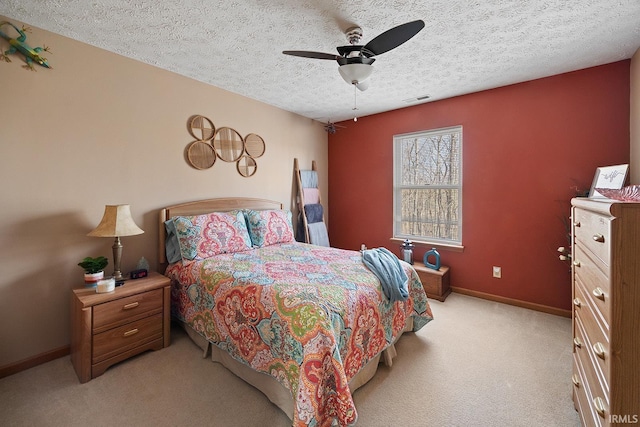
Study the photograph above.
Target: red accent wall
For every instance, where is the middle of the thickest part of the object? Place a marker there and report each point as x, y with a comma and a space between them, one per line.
526, 148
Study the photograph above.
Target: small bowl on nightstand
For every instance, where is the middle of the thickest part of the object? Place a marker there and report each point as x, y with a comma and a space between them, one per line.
106, 285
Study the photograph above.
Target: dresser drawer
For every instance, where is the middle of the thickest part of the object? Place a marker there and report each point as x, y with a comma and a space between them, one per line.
597, 396
118, 340
597, 299
594, 232
582, 395
125, 310
591, 269
596, 344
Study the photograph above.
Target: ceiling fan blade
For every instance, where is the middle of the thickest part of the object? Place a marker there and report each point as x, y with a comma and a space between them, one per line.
308, 54
392, 38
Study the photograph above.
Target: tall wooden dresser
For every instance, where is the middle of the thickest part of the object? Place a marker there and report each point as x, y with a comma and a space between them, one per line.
606, 311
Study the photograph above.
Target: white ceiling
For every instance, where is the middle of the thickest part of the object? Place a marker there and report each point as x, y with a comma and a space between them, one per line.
466, 45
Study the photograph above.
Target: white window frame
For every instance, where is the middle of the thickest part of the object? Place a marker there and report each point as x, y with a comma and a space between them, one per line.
397, 187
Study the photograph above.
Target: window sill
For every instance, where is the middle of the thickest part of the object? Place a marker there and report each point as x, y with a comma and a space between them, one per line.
439, 246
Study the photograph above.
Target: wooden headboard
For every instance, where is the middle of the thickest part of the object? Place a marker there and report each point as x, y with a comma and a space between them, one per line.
206, 206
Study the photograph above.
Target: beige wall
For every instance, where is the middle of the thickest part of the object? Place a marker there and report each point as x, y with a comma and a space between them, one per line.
635, 118
102, 129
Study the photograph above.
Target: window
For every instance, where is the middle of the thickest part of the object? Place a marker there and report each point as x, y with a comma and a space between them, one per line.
427, 186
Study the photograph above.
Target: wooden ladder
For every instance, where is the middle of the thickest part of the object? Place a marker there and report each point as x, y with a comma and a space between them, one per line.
301, 201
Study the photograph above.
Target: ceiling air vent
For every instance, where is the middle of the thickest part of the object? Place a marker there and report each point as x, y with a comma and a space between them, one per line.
416, 99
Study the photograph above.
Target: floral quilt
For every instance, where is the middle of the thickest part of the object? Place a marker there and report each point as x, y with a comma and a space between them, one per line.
309, 316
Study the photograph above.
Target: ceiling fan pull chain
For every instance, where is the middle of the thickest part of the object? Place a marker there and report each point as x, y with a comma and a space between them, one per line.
355, 102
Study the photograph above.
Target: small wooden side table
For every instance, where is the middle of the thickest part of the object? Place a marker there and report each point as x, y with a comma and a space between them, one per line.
434, 282
108, 328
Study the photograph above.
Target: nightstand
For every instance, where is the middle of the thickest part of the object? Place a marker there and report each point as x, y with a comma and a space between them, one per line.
434, 282
110, 327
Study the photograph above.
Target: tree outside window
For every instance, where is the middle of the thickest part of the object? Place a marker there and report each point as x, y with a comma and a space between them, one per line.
428, 186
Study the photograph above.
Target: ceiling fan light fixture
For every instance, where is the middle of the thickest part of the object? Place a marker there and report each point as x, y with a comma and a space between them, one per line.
355, 73
363, 85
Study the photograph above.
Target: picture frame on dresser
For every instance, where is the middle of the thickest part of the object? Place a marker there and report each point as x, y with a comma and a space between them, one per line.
612, 177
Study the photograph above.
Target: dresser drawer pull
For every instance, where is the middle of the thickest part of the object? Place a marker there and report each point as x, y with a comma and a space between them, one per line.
576, 263
598, 403
131, 305
577, 302
598, 238
598, 348
131, 332
598, 293
576, 380
577, 342
576, 224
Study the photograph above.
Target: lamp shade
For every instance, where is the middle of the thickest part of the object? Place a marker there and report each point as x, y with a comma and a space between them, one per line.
116, 222
355, 73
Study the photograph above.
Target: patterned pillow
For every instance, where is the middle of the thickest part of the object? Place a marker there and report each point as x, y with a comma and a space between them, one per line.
203, 236
269, 227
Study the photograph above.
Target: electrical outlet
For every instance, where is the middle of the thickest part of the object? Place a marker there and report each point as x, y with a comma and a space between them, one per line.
497, 272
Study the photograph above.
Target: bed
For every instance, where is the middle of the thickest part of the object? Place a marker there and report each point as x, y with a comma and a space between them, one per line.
306, 325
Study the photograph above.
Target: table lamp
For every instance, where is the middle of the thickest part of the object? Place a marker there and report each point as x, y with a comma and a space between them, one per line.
116, 222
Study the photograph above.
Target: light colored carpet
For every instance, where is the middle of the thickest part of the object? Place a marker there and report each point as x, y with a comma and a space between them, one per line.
479, 363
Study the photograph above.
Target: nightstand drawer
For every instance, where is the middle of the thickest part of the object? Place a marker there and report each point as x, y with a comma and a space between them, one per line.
126, 337
125, 310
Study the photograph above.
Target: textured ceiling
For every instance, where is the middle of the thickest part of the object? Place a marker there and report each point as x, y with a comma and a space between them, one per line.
466, 45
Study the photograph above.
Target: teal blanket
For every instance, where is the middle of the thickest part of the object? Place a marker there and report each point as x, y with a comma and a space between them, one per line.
387, 268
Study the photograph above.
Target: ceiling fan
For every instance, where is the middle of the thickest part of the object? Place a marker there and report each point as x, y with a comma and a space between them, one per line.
355, 60
332, 128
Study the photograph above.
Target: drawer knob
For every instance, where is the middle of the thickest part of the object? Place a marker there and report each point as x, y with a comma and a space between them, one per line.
131, 332
598, 293
576, 380
598, 238
131, 305
576, 263
598, 403
577, 302
576, 224
598, 349
577, 342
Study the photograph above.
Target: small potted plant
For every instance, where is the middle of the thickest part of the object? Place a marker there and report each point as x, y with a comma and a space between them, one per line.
93, 268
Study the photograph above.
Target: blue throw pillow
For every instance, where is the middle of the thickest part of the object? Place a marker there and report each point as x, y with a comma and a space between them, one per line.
171, 244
